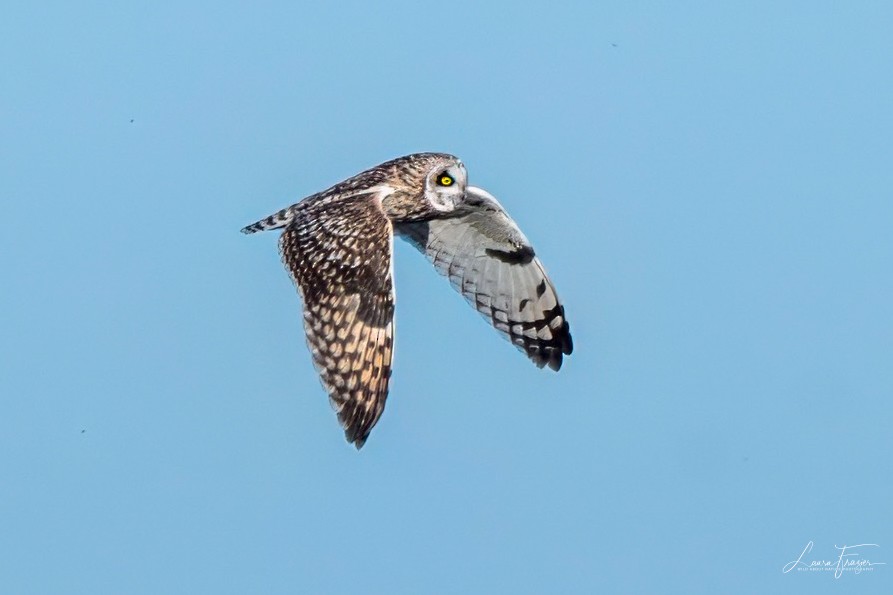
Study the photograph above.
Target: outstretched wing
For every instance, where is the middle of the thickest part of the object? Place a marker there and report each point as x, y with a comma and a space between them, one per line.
490, 262
339, 255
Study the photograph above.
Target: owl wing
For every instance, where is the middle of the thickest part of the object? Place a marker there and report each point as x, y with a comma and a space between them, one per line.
490, 262
339, 255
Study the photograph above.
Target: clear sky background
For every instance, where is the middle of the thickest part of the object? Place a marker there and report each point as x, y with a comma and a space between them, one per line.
709, 186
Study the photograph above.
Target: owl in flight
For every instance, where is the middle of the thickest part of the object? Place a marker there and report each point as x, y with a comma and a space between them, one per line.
338, 244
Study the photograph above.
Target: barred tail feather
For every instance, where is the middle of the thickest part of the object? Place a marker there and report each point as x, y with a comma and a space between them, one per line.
274, 221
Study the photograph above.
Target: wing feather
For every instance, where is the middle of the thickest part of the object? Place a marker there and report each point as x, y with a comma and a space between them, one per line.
340, 259
491, 263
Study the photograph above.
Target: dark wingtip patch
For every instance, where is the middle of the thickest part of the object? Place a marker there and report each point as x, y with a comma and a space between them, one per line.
568, 347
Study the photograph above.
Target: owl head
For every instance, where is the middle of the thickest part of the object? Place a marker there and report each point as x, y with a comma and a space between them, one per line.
424, 185
445, 182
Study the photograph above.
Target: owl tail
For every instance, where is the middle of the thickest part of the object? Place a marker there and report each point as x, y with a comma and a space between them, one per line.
274, 221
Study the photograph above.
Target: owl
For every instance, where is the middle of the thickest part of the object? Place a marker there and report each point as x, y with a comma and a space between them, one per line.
338, 247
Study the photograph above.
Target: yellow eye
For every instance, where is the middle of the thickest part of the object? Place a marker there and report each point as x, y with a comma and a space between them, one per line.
445, 180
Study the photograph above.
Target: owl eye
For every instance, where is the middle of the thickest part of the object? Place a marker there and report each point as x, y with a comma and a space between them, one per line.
445, 180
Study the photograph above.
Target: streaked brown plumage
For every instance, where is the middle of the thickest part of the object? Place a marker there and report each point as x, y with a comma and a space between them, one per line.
337, 245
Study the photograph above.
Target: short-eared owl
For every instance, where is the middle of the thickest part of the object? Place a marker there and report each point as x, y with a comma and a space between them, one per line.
337, 245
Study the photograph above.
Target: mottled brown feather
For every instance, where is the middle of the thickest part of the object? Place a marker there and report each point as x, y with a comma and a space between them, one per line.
339, 255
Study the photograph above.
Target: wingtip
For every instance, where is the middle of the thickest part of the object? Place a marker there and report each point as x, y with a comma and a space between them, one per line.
568, 347
355, 438
354, 432
546, 356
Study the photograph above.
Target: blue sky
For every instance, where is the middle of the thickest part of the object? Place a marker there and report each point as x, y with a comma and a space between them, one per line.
709, 187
